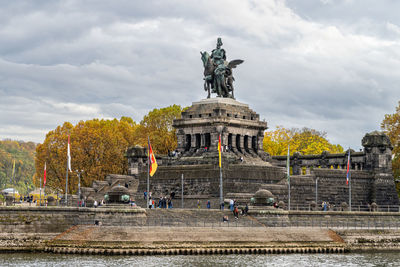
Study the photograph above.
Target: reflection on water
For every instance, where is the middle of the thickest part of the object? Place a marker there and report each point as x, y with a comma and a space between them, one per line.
364, 259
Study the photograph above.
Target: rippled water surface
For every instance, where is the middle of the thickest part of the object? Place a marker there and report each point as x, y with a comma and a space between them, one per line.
364, 259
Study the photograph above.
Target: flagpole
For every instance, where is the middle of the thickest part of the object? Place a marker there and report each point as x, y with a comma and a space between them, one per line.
148, 172
349, 182
66, 187
13, 179
221, 198
40, 190
288, 175
182, 192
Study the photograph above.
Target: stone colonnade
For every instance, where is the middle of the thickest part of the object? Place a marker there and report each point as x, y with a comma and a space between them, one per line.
233, 142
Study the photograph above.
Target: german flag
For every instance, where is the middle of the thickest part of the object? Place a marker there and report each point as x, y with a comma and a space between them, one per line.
152, 160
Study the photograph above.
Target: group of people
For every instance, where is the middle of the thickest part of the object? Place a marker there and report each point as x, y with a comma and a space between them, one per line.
233, 206
174, 153
208, 204
164, 202
28, 199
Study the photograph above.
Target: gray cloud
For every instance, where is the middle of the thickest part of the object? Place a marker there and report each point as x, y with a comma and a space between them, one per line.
307, 63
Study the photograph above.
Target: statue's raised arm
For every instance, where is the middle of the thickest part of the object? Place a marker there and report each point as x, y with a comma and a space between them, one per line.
218, 72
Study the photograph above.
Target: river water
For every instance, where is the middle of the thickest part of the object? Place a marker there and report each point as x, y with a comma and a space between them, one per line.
351, 259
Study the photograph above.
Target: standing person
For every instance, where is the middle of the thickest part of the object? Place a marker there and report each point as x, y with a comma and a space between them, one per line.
145, 195
246, 209
231, 204
150, 203
198, 204
95, 204
236, 212
208, 204
169, 203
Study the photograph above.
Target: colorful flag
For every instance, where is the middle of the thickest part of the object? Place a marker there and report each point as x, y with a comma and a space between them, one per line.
152, 160
44, 175
288, 163
69, 156
348, 169
219, 151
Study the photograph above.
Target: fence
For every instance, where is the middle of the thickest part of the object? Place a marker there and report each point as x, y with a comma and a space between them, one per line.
337, 207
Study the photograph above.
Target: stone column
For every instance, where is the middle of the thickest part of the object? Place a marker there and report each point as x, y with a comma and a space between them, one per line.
193, 137
260, 142
234, 149
202, 140
181, 141
242, 143
224, 139
214, 141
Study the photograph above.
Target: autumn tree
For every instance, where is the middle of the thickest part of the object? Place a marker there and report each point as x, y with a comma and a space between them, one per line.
157, 125
391, 126
306, 141
23, 153
97, 147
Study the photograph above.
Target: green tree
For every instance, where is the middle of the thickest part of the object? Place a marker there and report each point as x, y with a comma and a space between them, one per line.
157, 125
306, 141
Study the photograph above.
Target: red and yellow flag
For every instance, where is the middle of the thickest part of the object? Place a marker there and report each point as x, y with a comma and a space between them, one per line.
152, 160
219, 150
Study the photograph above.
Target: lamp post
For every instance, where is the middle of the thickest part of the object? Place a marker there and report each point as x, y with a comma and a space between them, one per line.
316, 191
79, 184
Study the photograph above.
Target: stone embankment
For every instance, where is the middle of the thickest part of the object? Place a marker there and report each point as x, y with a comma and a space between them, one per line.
195, 240
196, 232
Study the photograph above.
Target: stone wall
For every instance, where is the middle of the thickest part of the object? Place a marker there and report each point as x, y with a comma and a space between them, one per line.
201, 182
59, 219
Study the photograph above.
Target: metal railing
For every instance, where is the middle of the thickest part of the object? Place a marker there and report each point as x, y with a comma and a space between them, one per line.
328, 223
354, 208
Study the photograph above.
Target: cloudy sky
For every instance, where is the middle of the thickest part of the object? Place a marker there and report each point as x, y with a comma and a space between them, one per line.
332, 65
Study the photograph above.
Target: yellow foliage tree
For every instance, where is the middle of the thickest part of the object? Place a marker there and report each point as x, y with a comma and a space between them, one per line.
391, 126
306, 141
157, 125
97, 147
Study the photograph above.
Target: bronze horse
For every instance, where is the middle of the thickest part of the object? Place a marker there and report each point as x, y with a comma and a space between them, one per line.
218, 79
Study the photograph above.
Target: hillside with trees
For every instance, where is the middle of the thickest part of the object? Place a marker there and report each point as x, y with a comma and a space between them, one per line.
24, 155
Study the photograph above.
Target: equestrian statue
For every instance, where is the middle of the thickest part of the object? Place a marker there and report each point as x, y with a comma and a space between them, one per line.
218, 76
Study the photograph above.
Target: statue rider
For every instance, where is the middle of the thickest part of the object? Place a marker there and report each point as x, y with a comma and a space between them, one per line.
218, 55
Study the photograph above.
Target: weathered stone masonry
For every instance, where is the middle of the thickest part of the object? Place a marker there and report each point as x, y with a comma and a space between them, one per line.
247, 168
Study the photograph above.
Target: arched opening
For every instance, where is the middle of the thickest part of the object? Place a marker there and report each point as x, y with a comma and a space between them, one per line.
188, 143
246, 143
238, 142
198, 140
230, 142
207, 140
254, 143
